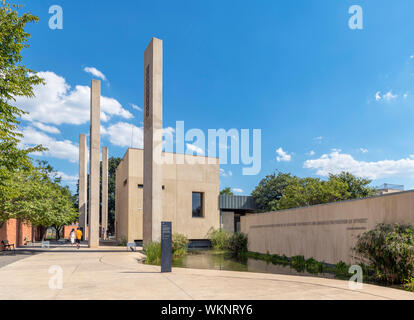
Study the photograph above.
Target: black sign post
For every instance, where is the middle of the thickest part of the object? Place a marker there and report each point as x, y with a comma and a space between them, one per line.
166, 246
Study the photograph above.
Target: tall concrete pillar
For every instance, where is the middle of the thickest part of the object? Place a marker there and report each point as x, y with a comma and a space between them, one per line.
83, 182
94, 164
152, 140
105, 190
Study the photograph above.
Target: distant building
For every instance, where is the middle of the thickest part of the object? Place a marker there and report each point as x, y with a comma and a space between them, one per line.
389, 188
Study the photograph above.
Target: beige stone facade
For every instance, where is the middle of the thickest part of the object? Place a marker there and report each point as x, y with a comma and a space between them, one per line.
326, 232
179, 182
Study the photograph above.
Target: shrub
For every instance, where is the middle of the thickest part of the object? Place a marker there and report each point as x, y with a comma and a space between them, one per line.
389, 248
179, 245
313, 266
178, 248
298, 263
276, 259
153, 253
409, 284
341, 269
220, 239
238, 244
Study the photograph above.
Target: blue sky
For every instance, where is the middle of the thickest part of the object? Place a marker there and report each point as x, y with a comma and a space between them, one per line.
326, 97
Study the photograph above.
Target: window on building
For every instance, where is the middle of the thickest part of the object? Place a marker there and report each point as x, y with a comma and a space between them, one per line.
198, 205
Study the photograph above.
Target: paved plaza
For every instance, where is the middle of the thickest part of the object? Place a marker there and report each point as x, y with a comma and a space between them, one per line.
113, 273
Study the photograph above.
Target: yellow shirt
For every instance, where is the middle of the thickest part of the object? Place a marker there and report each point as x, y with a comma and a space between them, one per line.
78, 234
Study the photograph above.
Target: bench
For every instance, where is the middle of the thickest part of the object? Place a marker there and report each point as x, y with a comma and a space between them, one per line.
7, 246
131, 245
45, 244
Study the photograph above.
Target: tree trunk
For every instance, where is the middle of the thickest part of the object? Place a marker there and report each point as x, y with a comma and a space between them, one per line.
57, 232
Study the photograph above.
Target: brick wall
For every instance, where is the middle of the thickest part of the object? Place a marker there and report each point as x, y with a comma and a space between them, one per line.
16, 231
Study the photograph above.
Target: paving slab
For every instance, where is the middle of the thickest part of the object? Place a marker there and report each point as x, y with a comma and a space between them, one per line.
113, 273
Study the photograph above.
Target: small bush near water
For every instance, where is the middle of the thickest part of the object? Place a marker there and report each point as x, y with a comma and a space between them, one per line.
223, 240
153, 249
153, 253
219, 239
179, 245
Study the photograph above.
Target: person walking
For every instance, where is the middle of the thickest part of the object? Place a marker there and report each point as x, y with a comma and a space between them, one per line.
78, 238
72, 237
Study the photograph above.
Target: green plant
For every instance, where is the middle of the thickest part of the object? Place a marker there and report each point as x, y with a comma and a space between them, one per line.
389, 248
220, 239
276, 259
238, 244
179, 245
153, 253
409, 284
341, 270
298, 263
313, 266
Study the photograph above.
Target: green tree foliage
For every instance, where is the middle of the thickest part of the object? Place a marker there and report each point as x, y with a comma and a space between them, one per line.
311, 191
270, 190
284, 191
357, 187
15, 81
113, 163
389, 248
39, 199
227, 191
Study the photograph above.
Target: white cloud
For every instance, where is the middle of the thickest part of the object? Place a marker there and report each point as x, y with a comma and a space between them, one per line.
237, 190
336, 162
363, 150
134, 106
223, 173
405, 96
412, 56
43, 127
57, 103
311, 153
123, 133
67, 178
283, 156
95, 72
389, 96
64, 149
193, 148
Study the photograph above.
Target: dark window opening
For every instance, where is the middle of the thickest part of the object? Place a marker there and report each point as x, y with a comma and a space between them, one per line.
198, 205
140, 186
